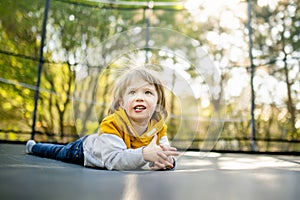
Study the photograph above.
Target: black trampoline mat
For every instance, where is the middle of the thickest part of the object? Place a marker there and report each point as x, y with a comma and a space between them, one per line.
215, 176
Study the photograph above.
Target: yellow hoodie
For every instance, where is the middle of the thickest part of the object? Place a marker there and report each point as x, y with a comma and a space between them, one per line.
119, 125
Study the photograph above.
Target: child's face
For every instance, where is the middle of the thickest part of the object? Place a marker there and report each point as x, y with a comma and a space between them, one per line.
139, 100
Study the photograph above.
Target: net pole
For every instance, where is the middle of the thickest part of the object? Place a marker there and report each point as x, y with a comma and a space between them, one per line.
147, 21
40, 67
252, 68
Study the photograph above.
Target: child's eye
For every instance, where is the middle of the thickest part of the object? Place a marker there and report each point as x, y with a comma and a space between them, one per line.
148, 92
131, 92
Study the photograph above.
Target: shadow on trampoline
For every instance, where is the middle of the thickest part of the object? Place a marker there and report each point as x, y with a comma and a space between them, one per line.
215, 176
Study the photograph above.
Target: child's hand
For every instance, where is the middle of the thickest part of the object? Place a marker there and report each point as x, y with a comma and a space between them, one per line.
152, 152
171, 151
161, 156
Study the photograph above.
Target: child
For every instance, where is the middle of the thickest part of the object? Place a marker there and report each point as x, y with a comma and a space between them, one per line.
132, 136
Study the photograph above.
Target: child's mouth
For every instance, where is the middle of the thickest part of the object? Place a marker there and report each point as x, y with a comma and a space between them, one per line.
139, 108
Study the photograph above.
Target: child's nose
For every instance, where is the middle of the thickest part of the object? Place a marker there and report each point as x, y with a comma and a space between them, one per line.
139, 98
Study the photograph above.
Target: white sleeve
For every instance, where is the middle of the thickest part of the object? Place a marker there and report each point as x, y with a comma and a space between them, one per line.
164, 141
114, 153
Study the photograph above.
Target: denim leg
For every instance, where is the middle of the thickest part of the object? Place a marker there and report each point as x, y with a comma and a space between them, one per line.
72, 152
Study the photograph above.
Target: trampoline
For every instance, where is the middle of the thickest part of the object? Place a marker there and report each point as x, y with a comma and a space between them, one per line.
217, 176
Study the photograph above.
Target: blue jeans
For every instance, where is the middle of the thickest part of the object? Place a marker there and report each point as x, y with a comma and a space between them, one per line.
72, 152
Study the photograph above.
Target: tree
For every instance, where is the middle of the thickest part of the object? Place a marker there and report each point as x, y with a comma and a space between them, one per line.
19, 43
277, 44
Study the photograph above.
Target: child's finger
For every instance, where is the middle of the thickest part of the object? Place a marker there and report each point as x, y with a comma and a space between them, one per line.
164, 160
168, 148
158, 166
153, 141
162, 155
171, 153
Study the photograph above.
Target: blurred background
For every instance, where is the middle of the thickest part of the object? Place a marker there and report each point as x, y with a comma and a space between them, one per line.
51, 48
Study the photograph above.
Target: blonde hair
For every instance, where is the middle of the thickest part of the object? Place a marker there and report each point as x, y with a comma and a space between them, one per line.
146, 75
